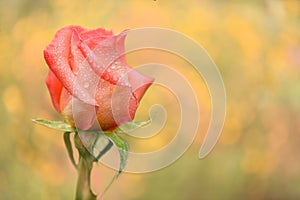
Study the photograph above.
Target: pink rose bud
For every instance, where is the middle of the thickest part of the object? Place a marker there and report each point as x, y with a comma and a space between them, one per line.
89, 78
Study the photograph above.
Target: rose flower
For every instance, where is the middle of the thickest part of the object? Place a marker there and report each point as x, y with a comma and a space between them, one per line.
89, 81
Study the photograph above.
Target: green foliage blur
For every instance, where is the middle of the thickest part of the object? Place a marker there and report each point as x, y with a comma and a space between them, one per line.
255, 44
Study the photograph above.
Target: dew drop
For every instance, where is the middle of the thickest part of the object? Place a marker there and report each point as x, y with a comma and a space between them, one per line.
115, 65
86, 85
115, 77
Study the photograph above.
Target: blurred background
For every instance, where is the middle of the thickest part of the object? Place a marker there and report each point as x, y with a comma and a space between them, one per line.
255, 44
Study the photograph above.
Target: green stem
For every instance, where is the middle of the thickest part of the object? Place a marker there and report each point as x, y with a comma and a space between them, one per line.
83, 191
84, 168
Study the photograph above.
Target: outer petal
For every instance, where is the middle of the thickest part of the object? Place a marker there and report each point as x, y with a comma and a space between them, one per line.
118, 103
65, 99
87, 34
122, 102
57, 58
138, 86
94, 37
76, 57
55, 89
139, 83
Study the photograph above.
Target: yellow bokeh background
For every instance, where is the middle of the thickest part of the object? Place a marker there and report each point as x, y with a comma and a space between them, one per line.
254, 43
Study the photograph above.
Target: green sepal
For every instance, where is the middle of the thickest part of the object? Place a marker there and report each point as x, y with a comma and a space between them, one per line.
122, 147
131, 126
57, 125
68, 145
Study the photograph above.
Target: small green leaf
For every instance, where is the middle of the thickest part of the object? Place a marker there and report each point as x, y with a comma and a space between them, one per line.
131, 126
58, 125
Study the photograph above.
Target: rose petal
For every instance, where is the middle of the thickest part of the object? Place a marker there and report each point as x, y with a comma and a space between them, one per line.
125, 99
108, 59
138, 93
139, 85
94, 37
57, 57
76, 57
87, 34
84, 115
65, 99
55, 89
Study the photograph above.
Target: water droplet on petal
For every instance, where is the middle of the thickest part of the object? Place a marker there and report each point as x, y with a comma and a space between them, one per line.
115, 77
86, 85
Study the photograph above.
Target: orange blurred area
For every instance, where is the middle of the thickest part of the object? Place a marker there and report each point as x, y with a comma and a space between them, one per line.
256, 46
